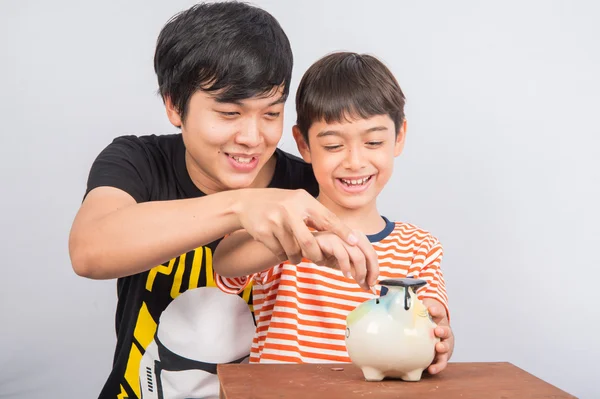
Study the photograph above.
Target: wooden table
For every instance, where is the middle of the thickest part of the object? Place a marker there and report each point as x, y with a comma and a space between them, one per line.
313, 381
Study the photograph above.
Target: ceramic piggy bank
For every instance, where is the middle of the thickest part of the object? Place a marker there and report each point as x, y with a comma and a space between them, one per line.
392, 336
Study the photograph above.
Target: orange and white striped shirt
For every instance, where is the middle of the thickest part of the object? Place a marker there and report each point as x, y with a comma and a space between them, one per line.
301, 310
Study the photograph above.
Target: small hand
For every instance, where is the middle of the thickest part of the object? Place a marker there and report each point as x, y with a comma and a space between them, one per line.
445, 347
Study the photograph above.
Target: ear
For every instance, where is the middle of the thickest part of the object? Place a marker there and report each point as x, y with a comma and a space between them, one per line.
303, 147
400, 139
172, 113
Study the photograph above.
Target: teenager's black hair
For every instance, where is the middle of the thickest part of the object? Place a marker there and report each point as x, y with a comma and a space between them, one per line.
231, 49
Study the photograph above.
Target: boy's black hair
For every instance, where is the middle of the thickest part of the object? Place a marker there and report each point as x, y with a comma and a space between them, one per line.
346, 85
231, 49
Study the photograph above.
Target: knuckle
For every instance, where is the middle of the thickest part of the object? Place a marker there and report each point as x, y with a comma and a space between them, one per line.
260, 232
307, 242
299, 194
278, 211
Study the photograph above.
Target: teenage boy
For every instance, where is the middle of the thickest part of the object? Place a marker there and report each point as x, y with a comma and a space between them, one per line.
156, 206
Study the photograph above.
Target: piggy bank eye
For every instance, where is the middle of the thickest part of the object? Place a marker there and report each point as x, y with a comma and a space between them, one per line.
347, 332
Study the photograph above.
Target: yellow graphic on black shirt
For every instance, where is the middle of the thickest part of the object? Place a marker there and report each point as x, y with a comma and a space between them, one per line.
145, 327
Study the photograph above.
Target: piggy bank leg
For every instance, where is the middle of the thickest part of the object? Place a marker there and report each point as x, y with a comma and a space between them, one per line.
414, 375
372, 374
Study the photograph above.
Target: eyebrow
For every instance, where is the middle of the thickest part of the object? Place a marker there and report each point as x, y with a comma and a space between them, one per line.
325, 133
280, 100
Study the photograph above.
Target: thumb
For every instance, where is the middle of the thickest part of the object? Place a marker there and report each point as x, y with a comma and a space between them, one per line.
436, 310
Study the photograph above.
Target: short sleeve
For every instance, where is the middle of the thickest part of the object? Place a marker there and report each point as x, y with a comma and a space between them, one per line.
235, 285
232, 285
123, 164
432, 273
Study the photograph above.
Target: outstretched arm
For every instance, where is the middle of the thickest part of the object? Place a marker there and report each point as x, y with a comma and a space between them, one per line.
114, 236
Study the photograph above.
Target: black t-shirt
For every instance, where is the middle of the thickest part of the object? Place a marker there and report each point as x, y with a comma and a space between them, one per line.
152, 168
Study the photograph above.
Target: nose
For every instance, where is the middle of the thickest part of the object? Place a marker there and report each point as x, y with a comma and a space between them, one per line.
249, 134
354, 159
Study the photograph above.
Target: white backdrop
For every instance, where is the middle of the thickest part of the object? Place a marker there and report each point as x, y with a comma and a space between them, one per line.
501, 163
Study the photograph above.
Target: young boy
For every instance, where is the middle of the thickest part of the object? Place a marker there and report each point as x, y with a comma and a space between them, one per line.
350, 127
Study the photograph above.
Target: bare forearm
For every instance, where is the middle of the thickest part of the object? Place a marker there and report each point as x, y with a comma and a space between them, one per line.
138, 237
239, 255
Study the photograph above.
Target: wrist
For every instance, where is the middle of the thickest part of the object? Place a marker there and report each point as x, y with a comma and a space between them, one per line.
235, 205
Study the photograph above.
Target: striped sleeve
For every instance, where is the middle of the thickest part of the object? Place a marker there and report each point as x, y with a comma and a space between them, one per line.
432, 273
232, 285
235, 285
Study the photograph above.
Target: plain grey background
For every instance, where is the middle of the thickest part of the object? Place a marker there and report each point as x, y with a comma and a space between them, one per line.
501, 163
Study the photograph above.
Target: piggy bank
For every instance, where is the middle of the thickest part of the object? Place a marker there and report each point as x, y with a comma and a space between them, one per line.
392, 336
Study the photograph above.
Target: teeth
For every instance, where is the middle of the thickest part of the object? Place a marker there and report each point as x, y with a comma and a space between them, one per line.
354, 182
241, 159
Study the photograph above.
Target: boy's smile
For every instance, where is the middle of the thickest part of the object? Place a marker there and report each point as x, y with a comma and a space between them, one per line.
353, 185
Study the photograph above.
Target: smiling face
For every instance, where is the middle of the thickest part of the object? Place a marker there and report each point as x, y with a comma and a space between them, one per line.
228, 144
350, 125
352, 161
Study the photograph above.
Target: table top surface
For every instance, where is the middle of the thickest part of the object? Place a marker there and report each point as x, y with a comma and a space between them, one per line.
459, 380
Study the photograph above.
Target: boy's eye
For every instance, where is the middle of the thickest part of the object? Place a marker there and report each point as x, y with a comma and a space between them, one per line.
374, 143
332, 147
